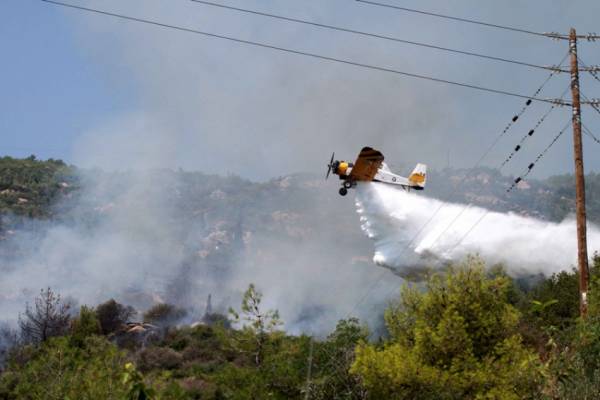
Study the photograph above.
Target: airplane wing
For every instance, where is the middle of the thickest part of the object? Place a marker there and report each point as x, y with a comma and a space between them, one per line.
367, 164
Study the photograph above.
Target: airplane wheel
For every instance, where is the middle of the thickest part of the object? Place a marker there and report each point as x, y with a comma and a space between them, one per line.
347, 185
343, 191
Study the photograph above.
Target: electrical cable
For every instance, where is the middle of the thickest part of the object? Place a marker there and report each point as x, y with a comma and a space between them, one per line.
591, 103
503, 132
593, 73
532, 131
374, 35
489, 149
519, 179
470, 21
590, 134
531, 166
594, 104
514, 119
297, 52
517, 148
538, 158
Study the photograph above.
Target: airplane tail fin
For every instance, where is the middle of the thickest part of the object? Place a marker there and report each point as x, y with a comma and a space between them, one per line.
418, 177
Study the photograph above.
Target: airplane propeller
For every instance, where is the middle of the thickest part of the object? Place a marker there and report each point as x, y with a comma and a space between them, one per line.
330, 166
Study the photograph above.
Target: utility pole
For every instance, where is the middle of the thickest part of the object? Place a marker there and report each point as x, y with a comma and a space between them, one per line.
579, 178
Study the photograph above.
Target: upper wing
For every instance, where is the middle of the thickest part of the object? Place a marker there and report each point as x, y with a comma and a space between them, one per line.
367, 164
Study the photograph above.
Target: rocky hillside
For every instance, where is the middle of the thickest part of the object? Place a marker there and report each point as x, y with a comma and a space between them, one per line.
216, 217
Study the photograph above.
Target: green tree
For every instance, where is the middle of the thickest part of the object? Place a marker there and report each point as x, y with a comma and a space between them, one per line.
164, 314
86, 324
594, 287
456, 340
135, 387
258, 325
30, 187
575, 365
58, 370
333, 360
113, 315
563, 289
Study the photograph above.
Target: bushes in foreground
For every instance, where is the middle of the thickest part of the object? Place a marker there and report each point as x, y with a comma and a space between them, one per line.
467, 333
457, 339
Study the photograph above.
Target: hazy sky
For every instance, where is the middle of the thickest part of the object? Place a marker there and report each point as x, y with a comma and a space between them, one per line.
97, 91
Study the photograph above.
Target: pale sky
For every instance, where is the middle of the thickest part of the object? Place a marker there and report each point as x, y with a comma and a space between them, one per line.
97, 91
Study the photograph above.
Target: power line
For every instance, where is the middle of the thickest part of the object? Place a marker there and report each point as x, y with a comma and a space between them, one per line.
590, 37
494, 143
297, 52
590, 134
442, 205
519, 179
591, 103
533, 164
517, 148
593, 71
532, 131
529, 169
470, 21
373, 35
513, 120
538, 158
594, 74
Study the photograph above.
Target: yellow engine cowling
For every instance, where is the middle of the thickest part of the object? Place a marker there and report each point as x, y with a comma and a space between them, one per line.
342, 168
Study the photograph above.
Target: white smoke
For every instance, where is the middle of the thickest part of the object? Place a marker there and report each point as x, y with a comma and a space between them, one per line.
411, 232
143, 237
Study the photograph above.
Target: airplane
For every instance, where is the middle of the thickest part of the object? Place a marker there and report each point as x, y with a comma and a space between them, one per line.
369, 167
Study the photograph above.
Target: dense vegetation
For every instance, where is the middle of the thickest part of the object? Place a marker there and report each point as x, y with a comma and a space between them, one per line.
551, 199
41, 189
468, 333
29, 187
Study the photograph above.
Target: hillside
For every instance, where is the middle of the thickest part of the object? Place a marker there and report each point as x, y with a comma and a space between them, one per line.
160, 242
217, 217
41, 189
233, 228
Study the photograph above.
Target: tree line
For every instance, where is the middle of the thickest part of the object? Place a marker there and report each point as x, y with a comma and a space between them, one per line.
468, 332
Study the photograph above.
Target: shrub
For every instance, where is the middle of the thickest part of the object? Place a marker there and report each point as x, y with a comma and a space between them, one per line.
58, 370
86, 324
158, 358
456, 340
113, 315
164, 314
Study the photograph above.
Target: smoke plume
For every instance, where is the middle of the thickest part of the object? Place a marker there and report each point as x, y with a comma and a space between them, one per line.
145, 237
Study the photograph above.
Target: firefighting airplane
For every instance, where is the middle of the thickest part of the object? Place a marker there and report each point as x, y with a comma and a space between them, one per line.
369, 167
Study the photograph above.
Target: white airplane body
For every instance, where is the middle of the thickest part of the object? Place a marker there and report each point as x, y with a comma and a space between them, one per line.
369, 167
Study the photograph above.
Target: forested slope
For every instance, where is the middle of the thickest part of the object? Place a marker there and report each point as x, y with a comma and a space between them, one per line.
469, 332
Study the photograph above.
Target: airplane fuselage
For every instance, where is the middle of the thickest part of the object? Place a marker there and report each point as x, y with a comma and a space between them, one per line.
343, 169
369, 167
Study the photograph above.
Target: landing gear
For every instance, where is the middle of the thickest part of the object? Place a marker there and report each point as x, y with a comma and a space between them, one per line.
347, 184
343, 191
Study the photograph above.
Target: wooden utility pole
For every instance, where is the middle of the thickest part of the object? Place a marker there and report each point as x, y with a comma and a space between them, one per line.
579, 178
